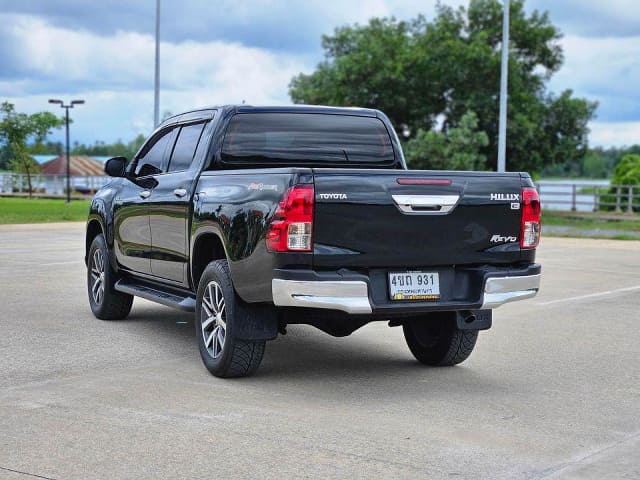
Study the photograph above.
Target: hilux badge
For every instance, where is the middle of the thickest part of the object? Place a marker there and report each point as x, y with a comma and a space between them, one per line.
510, 197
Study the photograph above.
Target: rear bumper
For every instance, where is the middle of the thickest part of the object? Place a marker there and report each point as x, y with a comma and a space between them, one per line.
347, 296
356, 294
501, 290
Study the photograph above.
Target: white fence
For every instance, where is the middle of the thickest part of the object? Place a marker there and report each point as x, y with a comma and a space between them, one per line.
588, 196
50, 184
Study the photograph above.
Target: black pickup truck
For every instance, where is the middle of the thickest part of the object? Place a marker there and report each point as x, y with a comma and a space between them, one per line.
259, 217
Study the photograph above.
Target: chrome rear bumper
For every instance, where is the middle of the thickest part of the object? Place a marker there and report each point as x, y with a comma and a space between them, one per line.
352, 296
501, 290
346, 295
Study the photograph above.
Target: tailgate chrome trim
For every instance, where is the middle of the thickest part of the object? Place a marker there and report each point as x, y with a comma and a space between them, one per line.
501, 290
425, 204
348, 296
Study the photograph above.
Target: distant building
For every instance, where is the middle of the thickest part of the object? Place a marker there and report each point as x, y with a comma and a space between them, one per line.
80, 165
43, 158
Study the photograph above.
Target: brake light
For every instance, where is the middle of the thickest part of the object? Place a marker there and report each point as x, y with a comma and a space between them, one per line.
530, 231
292, 222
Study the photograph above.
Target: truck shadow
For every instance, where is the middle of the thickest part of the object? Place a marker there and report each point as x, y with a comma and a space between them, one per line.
362, 364
367, 362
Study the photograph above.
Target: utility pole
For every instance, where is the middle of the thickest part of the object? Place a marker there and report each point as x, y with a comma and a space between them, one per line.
66, 121
502, 135
156, 97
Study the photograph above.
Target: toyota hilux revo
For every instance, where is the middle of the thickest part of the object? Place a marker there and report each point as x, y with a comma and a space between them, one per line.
255, 218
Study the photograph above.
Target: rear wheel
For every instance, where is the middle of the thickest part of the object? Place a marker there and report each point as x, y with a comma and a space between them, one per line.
439, 342
106, 303
218, 308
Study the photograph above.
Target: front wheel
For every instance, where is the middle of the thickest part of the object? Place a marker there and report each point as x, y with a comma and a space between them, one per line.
105, 301
438, 341
218, 309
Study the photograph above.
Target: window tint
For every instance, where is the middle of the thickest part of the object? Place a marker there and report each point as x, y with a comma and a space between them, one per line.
306, 137
185, 147
150, 162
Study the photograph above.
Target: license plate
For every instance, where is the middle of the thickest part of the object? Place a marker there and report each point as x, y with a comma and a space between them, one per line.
414, 286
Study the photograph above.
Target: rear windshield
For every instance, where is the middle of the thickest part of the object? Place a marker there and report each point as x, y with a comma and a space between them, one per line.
290, 138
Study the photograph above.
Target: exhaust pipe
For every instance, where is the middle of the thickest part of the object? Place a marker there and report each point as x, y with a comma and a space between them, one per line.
473, 320
468, 316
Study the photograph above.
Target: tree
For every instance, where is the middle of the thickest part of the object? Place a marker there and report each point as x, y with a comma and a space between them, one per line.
22, 162
420, 71
594, 165
15, 130
102, 149
627, 172
45, 148
456, 149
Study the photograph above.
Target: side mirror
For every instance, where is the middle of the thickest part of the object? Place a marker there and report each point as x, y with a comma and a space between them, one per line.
115, 167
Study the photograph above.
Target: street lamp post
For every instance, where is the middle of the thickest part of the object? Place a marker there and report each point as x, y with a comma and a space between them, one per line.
66, 118
502, 133
156, 85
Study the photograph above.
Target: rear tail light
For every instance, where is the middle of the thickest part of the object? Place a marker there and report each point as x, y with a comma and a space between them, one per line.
530, 232
292, 222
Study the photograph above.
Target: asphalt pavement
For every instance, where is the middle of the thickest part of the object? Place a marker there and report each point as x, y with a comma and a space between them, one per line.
551, 391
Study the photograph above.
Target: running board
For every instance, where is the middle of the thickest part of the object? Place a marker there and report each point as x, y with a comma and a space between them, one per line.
186, 303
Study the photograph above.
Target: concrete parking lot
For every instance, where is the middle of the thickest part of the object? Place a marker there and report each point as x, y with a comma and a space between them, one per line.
552, 390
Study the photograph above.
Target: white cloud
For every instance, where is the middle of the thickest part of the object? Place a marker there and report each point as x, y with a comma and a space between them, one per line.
115, 76
614, 134
602, 67
113, 72
619, 18
605, 69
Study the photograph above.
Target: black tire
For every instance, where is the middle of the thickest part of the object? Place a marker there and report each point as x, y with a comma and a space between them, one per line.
236, 357
438, 342
106, 303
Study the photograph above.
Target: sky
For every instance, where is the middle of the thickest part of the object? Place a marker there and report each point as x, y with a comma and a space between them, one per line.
230, 51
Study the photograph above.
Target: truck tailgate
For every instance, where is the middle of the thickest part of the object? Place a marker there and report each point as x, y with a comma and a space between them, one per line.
410, 219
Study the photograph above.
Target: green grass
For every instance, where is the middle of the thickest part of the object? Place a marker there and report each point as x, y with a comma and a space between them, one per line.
591, 221
592, 225
36, 210
577, 234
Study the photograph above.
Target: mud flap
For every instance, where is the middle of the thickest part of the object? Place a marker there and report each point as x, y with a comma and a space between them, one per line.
258, 322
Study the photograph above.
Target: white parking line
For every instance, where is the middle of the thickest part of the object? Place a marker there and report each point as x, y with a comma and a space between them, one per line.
39, 264
591, 295
60, 263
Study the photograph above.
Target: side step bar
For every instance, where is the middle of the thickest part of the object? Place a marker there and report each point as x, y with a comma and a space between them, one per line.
177, 300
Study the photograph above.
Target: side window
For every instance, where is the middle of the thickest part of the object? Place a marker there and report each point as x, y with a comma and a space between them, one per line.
151, 160
185, 147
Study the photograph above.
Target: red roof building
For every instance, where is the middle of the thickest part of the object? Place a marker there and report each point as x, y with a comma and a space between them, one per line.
80, 165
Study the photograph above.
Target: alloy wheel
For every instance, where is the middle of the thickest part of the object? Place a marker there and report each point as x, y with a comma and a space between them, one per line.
97, 277
213, 319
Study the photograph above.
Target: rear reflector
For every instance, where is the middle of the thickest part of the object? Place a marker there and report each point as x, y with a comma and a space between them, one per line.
423, 181
292, 222
530, 231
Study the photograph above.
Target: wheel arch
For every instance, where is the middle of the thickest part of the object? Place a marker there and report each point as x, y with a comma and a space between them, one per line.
207, 247
94, 228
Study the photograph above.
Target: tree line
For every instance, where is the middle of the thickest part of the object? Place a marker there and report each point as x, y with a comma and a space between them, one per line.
97, 149
438, 81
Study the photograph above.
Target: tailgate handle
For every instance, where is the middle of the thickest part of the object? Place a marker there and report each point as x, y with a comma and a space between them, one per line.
425, 204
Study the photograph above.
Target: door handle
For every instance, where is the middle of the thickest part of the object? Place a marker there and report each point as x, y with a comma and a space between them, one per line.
145, 193
425, 204
180, 192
